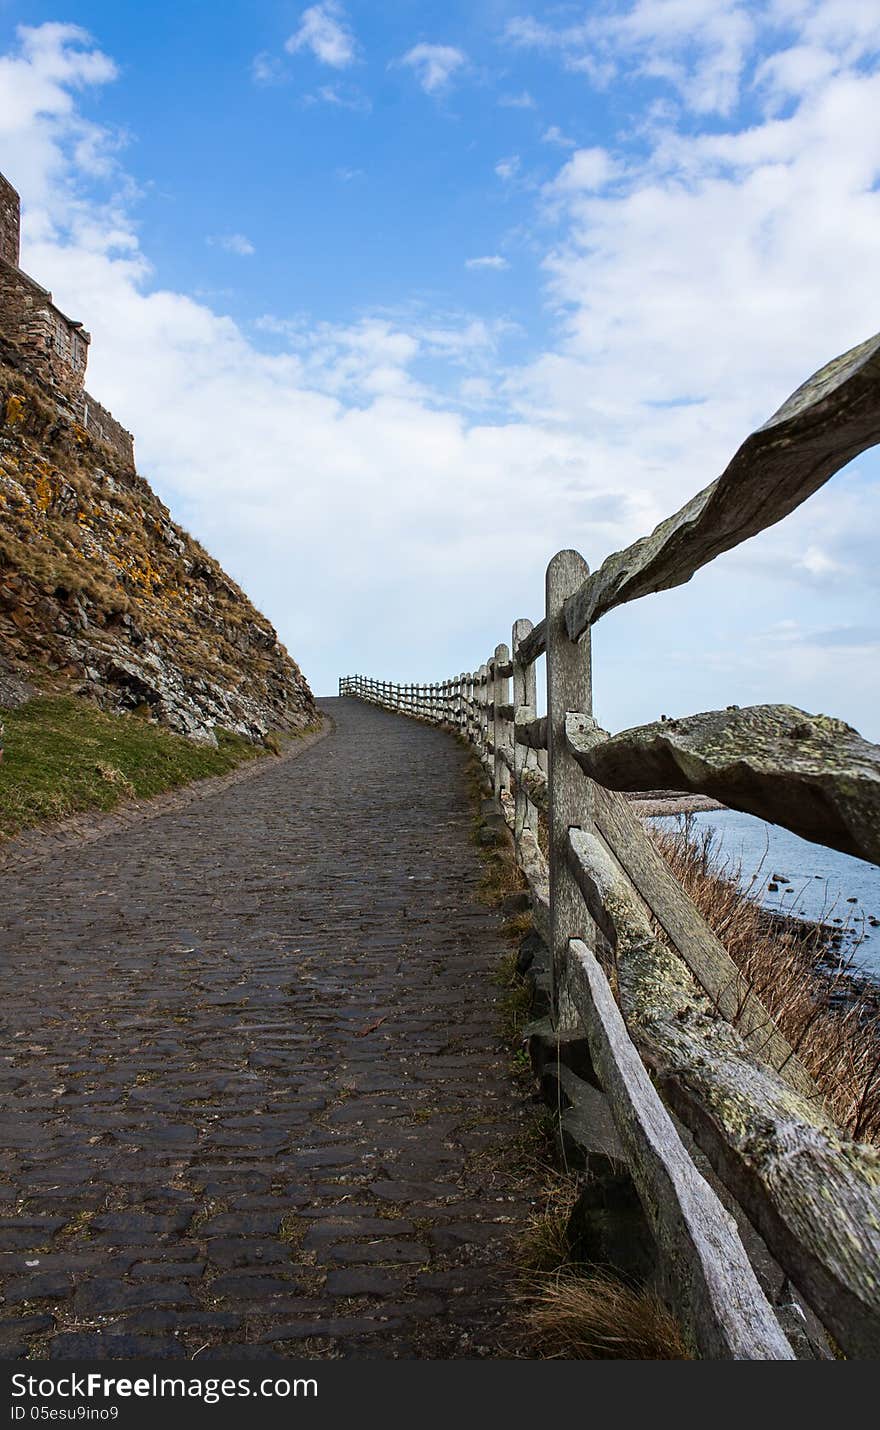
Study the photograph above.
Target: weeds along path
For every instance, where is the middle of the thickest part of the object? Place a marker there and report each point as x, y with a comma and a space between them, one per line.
255, 1101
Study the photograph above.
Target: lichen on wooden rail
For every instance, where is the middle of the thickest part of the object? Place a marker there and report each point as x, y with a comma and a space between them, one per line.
810, 773
534, 782
830, 419
534, 644
532, 732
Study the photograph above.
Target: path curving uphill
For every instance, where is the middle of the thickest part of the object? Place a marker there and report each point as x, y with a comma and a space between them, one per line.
254, 1097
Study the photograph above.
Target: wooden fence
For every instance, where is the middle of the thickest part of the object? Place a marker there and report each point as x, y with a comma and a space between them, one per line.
676, 1037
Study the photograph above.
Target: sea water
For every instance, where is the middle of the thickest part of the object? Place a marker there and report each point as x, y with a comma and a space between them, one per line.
812, 882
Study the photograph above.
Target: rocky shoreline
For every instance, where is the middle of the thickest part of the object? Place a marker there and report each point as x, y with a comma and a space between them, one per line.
656, 803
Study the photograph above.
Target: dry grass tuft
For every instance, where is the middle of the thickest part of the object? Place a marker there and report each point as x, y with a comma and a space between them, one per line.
829, 1018
514, 1003
598, 1317
545, 1245
516, 927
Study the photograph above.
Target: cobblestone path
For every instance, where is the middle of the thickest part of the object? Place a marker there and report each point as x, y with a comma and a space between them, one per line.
254, 1101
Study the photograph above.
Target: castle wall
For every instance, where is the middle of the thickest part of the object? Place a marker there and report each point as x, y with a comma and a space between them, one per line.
64, 348
12, 302
56, 346
10, 223
100, 423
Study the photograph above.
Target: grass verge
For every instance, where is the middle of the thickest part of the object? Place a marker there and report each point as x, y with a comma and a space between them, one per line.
64, 756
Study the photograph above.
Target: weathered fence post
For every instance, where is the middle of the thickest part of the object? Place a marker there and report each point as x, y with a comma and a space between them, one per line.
500, 696
525, 700
466, 691
489, 716
569, 687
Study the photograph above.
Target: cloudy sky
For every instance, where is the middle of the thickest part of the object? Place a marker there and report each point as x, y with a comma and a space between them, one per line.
401, 297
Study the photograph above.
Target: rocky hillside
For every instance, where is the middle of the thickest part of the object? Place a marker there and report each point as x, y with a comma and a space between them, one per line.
102, 595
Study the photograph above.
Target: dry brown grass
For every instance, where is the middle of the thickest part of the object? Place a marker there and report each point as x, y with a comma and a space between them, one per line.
831, 1021
501, 877
545, 1245
598, 1317
513, 1003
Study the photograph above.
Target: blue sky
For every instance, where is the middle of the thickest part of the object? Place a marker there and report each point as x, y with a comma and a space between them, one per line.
400, 298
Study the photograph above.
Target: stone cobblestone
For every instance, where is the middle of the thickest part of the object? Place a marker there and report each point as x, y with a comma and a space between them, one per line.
255, 1101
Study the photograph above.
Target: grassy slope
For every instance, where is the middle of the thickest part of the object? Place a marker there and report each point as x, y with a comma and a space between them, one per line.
63, 755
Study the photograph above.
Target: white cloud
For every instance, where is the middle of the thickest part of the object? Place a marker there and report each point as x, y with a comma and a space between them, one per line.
554, 135
523, 100
577, 45
358, 466
490, 260
237, 243
434, 65
348, 97
324, 30
508, 168
267, 69
699, 47
818, 563
586, 170
50, 64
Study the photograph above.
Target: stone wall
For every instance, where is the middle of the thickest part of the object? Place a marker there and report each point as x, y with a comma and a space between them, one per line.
16, 300
10, 223
56, 346
101, 424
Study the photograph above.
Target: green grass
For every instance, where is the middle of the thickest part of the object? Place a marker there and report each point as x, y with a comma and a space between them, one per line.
63, 755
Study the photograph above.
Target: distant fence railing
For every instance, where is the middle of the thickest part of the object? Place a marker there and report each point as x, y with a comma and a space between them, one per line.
677, 1029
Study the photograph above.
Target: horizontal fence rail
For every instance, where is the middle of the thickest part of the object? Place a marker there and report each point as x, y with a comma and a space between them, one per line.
678, 1039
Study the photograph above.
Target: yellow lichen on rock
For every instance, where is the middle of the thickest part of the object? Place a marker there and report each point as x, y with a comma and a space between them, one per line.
14, 409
